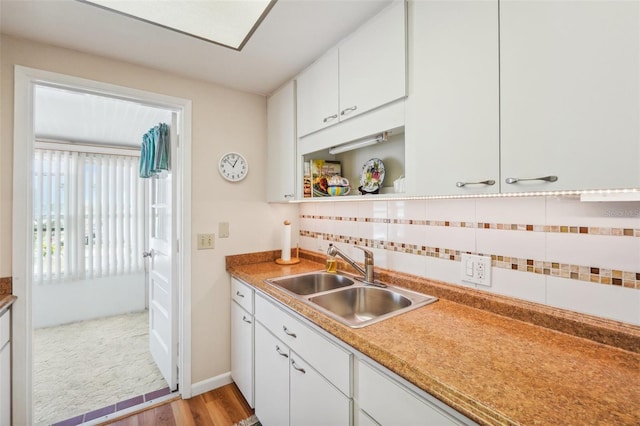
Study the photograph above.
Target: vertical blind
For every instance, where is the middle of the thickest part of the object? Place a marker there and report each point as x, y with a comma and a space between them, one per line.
89, 212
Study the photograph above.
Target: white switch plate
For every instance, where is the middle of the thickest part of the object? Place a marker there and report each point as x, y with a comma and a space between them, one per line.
223, 230
206, 241
476, 269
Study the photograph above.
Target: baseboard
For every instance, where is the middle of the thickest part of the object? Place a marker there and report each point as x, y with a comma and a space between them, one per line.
211, 384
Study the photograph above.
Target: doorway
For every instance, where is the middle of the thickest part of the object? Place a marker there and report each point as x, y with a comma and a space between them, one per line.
27, 83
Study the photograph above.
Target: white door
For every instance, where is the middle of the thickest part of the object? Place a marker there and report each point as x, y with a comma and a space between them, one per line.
163, 311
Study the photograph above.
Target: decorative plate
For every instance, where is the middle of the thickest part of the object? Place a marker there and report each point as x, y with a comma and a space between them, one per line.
372, 175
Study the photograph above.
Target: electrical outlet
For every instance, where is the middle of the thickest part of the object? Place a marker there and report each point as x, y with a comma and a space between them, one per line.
206, 241
476, 269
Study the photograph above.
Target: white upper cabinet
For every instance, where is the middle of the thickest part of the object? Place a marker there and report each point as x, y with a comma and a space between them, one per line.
570, 94
366, 71
281, 144
452, 126
318, 94
373, 63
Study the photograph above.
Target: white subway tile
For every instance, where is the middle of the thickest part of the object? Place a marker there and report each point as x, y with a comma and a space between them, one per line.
570, 211
407, 263
408, 234
601, 251
518, 284
307, 209
522, 244
444, 270
346, 210
448, 237
455, 210
325, 209
527, 210
614, 302
407, 209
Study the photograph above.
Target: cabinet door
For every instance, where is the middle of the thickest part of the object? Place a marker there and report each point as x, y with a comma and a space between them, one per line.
373, 63
5, 385
271, 379
281, 143
317, 94
452, 130
314, 401
242, 351
390, 404
570, 92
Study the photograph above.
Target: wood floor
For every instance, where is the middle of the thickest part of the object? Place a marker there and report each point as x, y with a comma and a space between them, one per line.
220, 407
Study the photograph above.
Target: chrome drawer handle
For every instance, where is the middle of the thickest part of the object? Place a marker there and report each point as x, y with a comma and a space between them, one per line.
289, 195
329, 118
280, 352
244, 318
512, 180
239, 294
293, 364
348, 110
287, 332
484, 182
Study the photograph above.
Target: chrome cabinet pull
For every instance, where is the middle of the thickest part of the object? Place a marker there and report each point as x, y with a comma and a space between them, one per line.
280, 352
244, 318
286, 330
512, 180
348, 110
289, 195
239, 294
329, 118
300, 369
483, 182
148, 254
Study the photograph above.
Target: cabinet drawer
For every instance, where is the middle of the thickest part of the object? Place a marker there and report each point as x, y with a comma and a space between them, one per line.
390, 404
5, 328
242, 294
328, 359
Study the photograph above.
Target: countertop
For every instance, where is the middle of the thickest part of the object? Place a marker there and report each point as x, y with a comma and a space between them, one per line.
492, 368
6, 302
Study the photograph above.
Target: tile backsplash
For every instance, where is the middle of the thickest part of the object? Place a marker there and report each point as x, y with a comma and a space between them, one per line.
552, 250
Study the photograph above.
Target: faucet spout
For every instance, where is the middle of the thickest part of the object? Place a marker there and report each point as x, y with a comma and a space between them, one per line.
367, 271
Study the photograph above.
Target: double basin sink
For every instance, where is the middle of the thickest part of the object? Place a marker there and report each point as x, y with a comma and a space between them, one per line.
348, 300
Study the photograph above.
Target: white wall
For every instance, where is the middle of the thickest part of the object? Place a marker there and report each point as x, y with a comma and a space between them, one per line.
223, 120
62, 303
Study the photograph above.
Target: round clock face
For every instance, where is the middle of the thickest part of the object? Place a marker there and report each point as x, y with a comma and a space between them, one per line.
233, 167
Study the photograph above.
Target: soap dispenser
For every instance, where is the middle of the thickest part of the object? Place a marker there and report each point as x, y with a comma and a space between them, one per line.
332, 264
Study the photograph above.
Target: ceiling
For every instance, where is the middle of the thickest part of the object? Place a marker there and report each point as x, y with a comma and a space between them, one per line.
77, 117
292, 36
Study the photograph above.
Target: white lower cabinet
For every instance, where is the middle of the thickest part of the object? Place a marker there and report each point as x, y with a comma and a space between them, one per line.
272, 379
242, 329
5, 368
242, 350
385, 401
290, 392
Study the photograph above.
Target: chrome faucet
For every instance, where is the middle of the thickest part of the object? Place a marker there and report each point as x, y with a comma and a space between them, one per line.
367, 272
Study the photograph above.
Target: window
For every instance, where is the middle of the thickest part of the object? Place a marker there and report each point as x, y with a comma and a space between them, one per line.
88, 212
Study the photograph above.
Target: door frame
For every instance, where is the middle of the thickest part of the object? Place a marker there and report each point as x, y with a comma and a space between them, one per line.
22, 247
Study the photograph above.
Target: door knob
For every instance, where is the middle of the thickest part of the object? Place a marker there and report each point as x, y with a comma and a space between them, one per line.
148, 253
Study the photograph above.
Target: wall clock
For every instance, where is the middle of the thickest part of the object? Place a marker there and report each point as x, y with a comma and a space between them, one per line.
233, 167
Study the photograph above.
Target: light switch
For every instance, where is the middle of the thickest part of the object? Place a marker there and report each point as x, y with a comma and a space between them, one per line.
206, 241
223, 230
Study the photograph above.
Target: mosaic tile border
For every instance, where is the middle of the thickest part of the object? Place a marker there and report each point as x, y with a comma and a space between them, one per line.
627, 279
562, 229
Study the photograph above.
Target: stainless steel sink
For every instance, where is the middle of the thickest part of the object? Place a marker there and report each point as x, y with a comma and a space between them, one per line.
360, 304
349, 301
312, 283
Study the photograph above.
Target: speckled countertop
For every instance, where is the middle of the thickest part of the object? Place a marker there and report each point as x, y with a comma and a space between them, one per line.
5, 302
492, 368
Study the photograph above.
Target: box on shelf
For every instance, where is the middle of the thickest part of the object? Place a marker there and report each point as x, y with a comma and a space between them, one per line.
320, 171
